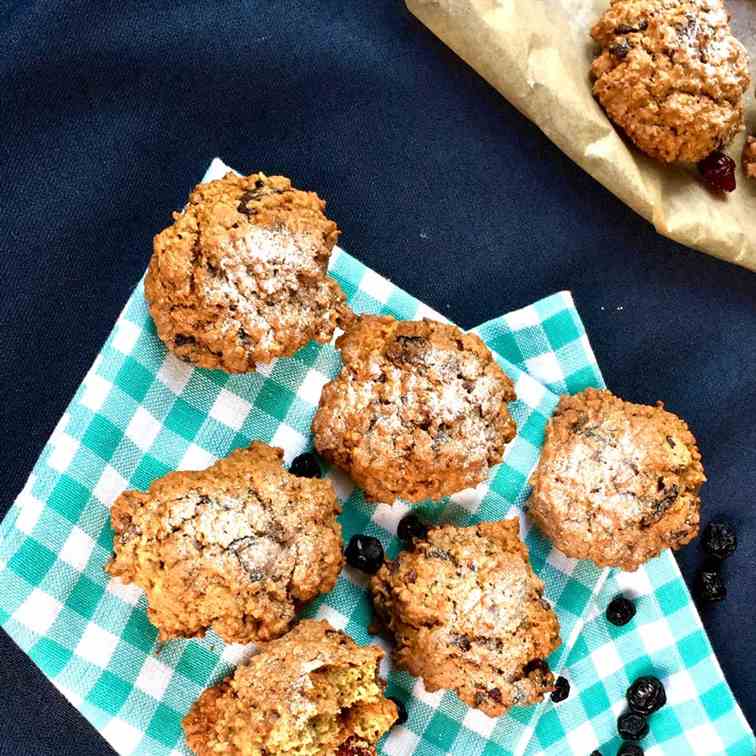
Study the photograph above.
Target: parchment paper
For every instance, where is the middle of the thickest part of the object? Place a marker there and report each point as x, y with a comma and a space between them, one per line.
538, 55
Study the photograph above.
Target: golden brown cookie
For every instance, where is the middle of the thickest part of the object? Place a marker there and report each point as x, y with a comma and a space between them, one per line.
617, 482
671, 74
468, 613
314, 691
238, 547
418, 411
240, 276
749, 157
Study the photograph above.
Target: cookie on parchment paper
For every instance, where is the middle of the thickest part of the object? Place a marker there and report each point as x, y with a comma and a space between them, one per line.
419, 410
672, 75
238, 547
467, 613
617, 482
239, 278
314, 691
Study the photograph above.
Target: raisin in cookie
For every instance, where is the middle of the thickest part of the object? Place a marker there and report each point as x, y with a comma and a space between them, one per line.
240, 276
314, 691
239, 546
749, 157
671, 74
617, 482
468, 614
418, 411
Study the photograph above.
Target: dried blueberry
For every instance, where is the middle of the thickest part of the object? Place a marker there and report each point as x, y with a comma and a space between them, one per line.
719, 540
646, 695
401, 710
718, 171
632, 726
711, 587
364, 553
620, 611
630, 749
536, 664
411, 527
561, 689
306, 466
620, 49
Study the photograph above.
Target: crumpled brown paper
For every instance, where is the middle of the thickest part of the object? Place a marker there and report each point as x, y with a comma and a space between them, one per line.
538, 55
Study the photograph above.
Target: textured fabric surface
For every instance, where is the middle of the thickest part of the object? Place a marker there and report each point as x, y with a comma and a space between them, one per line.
140, 412
109, 112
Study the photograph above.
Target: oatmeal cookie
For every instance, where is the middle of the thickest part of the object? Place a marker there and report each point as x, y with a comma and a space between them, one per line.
239, 546
240, 276
468, 614
314, 691
749, 157
617, 482
418, 411
671, 74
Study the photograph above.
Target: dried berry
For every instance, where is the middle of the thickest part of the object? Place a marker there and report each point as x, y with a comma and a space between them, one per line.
411, 527
646, 695
711, 587
364, 553
620, 49
595, 753
718, 171
632, 726
630, 749
401, 710
561, 689
719, 540
536, 664
620, 611
306, 466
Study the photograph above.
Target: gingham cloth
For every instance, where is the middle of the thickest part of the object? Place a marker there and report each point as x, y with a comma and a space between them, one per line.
140, 413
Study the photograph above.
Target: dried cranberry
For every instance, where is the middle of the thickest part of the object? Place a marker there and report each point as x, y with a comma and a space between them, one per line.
718, 171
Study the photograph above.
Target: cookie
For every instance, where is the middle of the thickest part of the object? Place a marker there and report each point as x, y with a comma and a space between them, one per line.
468, 614
617, 482
314, 691
671, 75
239, 278
418, 411
238, 547
749, 157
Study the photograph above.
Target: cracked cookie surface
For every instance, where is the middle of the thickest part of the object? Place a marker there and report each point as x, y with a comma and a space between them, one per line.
671, 74
468, 614
238, 547
617, 482
418, 411
749, 157
314, 691
240, 278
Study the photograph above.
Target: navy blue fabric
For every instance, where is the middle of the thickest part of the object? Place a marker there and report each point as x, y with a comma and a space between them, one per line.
110, 112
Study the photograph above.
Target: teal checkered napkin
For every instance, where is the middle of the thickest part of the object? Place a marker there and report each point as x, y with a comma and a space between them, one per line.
141, 412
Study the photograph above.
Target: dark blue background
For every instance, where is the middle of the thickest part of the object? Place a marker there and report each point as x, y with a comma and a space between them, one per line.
110, 112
